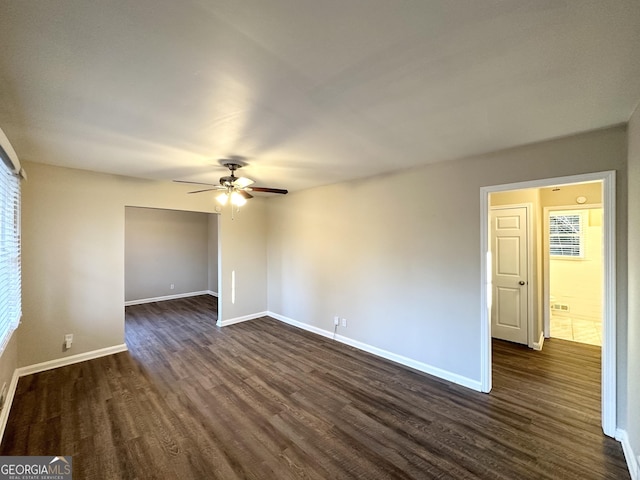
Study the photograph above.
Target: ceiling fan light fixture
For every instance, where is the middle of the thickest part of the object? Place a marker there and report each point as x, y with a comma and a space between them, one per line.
235, 190
222, 198
237, 199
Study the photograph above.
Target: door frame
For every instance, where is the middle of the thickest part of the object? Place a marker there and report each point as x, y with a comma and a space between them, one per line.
546, 258
529, 245
608, 381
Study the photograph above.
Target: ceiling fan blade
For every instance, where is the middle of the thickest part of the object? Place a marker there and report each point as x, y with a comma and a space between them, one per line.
268, 190
195, 183
208, 190
242, 182
245, 194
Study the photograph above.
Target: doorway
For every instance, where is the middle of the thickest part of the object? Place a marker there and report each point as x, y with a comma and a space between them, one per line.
608, 385
169, 254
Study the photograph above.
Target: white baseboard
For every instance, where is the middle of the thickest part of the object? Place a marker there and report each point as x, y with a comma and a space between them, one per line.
128, 303
212, 293
231, 321
11, 391
303, 326
629, 455
51, 364
64, 361
423, 367
538, 345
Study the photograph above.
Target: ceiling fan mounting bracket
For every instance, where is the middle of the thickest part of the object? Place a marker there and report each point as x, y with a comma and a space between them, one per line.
232, 164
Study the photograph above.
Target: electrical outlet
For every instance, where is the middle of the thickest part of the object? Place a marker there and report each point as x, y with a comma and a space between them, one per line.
344, 322
68, 340
336, 320
172, 286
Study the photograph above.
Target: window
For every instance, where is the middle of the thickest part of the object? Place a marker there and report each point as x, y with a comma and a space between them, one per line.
566, 238
10, 289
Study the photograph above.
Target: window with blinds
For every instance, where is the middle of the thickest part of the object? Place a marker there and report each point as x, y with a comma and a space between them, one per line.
566, 237
10, 281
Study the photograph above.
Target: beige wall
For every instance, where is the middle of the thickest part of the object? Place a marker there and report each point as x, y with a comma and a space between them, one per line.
73, 255
633, 406
578, 282
583, 296
399, 256
212, 273
243, 244
164, 248
73, 276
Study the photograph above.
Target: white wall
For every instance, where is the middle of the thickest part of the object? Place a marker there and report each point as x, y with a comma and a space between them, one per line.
164, 248
73, 255
399, 255
633, 405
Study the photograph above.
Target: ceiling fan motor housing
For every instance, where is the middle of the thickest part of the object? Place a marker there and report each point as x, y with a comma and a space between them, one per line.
233, 166
228, 181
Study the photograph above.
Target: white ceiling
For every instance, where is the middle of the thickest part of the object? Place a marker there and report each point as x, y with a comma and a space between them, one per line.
310, 92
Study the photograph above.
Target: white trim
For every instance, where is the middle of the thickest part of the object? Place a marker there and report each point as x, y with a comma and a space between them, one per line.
608, 179
212, 293
632, 460
301, 325
6, 150
538, 345
8, 402
423, 367
609, 339
128, 303
244, 318
63, 362
485, 291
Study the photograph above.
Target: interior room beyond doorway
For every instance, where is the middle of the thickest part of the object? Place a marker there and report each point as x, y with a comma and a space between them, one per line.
566, 260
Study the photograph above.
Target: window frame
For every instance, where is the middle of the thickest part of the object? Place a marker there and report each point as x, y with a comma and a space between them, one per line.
580, 235
10, 253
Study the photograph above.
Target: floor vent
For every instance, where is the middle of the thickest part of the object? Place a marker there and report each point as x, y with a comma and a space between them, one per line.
561, 307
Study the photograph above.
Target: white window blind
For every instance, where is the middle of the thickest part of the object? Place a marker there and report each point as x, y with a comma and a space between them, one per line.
10, 277
566, 237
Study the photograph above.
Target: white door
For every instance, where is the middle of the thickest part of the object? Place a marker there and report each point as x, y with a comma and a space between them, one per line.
509, 319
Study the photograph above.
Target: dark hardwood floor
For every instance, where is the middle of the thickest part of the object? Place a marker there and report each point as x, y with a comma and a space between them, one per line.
264, 400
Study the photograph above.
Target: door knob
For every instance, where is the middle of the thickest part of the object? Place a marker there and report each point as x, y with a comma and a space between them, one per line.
521, 282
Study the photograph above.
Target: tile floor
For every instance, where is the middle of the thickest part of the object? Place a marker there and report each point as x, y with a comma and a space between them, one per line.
577, 330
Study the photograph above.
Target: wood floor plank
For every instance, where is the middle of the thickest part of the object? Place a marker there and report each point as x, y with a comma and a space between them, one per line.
264, 400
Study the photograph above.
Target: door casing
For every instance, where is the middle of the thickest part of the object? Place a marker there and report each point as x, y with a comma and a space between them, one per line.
609, 340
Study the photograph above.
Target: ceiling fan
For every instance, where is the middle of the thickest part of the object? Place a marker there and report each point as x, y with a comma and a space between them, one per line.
234, 189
